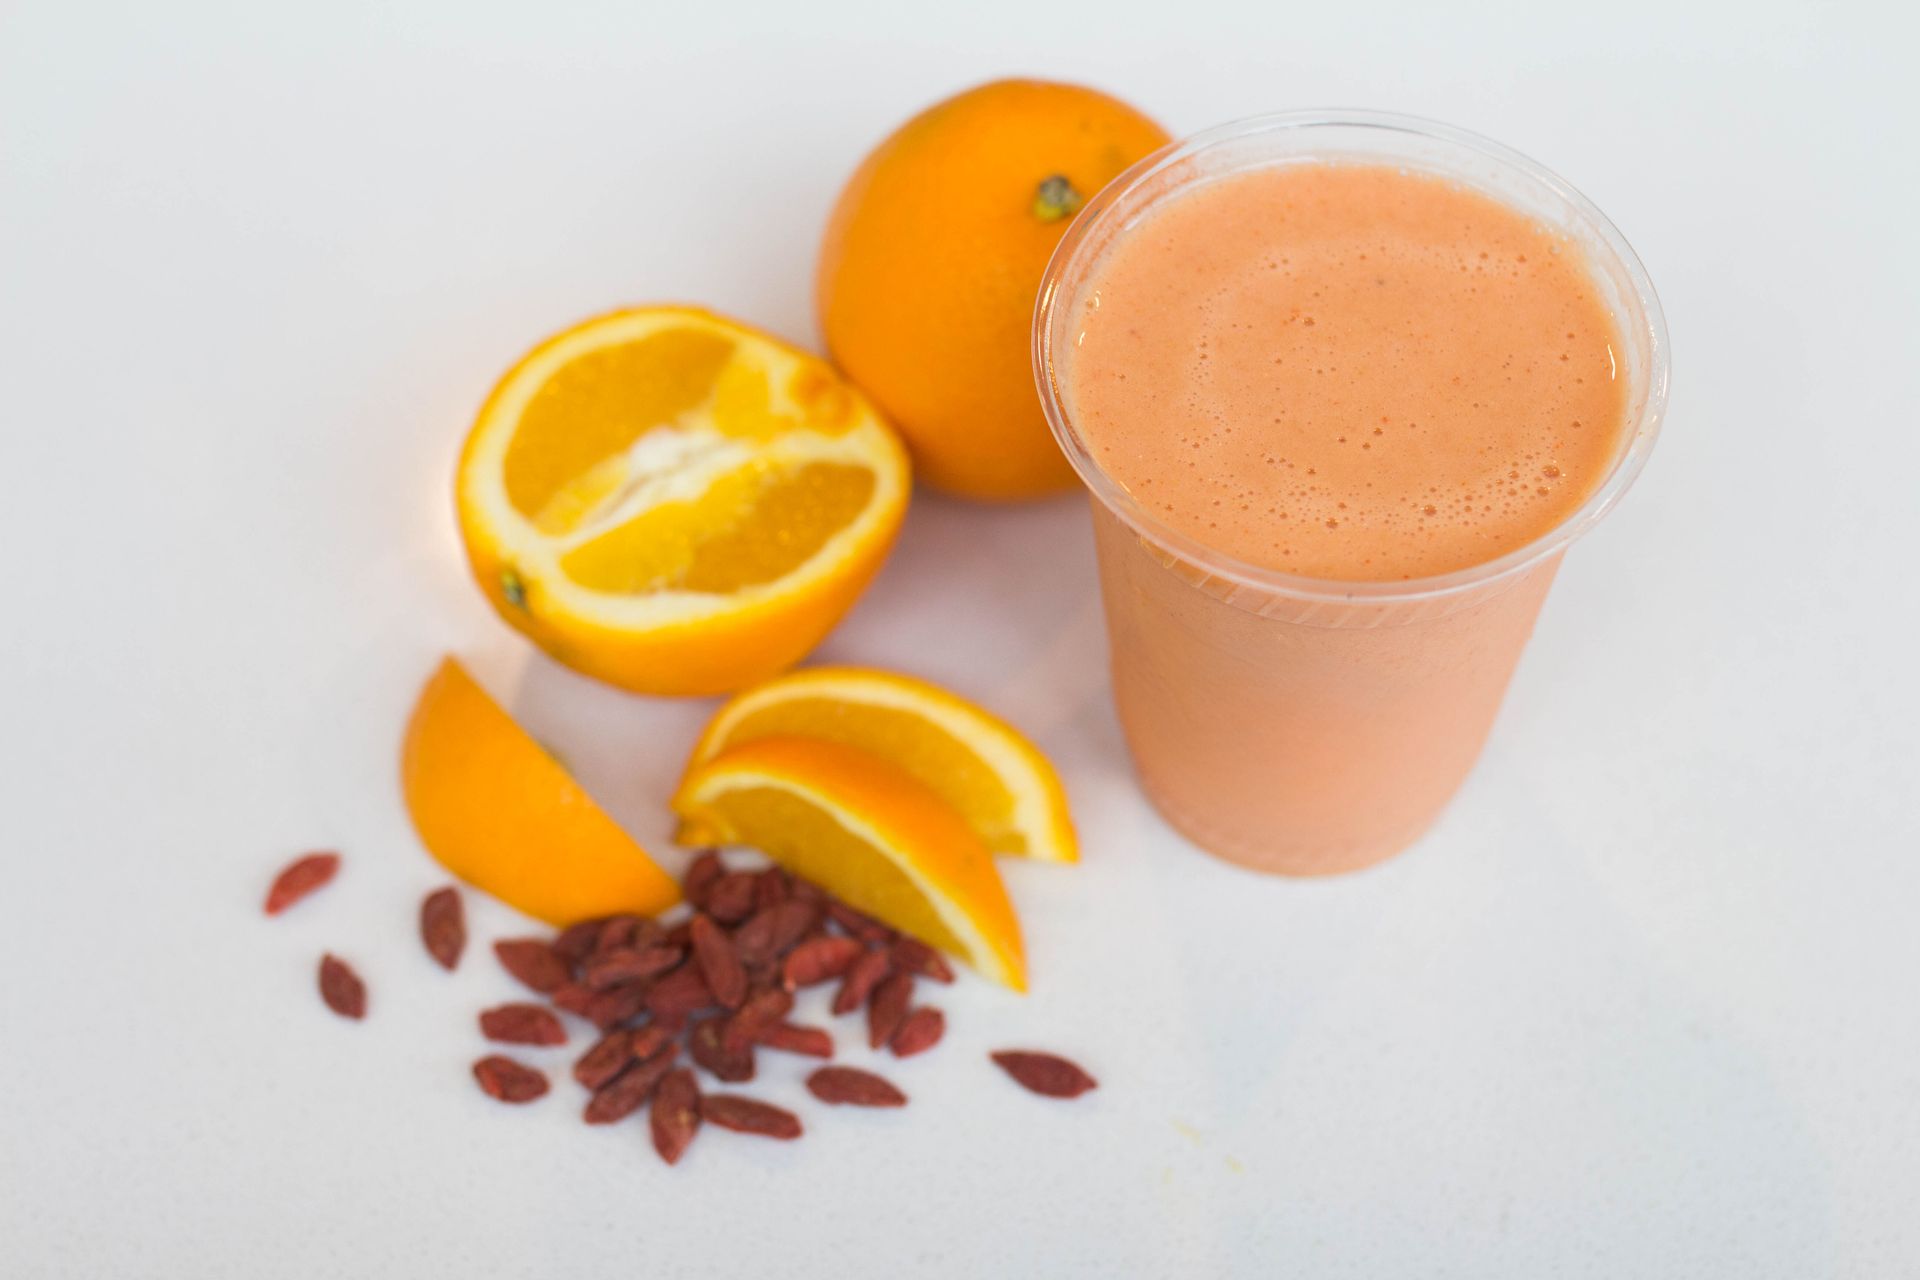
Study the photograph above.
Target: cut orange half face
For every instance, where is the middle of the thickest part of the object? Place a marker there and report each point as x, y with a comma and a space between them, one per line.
676, 503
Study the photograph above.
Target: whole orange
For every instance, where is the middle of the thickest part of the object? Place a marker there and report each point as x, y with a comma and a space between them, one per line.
932, 259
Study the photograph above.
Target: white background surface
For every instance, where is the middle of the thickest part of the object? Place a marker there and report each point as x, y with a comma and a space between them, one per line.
1643, 1005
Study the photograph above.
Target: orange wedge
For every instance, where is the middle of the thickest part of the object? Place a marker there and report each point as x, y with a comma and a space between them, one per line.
500, 813
867, 832
991, 775
677, 503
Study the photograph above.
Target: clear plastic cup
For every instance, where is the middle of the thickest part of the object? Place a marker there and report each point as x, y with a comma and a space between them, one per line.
1302, 725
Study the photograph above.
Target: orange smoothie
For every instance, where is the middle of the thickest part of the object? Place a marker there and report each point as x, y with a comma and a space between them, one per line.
1347, 372
1311, 398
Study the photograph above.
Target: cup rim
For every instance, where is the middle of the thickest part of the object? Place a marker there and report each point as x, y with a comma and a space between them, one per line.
1066, 260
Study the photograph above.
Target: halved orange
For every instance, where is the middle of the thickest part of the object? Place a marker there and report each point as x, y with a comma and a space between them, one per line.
866, 831
675, 502
500, 813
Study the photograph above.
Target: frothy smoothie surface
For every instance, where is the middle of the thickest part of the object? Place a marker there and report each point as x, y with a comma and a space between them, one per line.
1347, 371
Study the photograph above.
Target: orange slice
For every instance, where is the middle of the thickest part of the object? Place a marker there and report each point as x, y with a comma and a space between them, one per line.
676, 503
866, 831
500, 813
990, 774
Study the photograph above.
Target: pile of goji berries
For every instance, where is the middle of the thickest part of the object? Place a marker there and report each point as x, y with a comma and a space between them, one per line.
719, 984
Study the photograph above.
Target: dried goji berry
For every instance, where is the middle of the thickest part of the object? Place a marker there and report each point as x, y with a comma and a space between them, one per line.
675, 1118
574, 998
706, 1042
705, 868
719, 963
576, 941
536, 964
851, 1086
443, 926
341, 988
507, 1080
769, 887
299, 878
618, 1003
749, 1115
866, 973
761, 1010
522, 1024
627, 1092
1044, 1073
606, 969
730, 899
608, 1057
919, 1031
789, 1038
887, 1008
679, 993
818, 959
622, 933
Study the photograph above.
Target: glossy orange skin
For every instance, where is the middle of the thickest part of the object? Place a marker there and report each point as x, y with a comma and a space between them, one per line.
932, 260
500, 813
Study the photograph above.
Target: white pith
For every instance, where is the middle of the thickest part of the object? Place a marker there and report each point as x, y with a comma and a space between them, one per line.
675, 463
